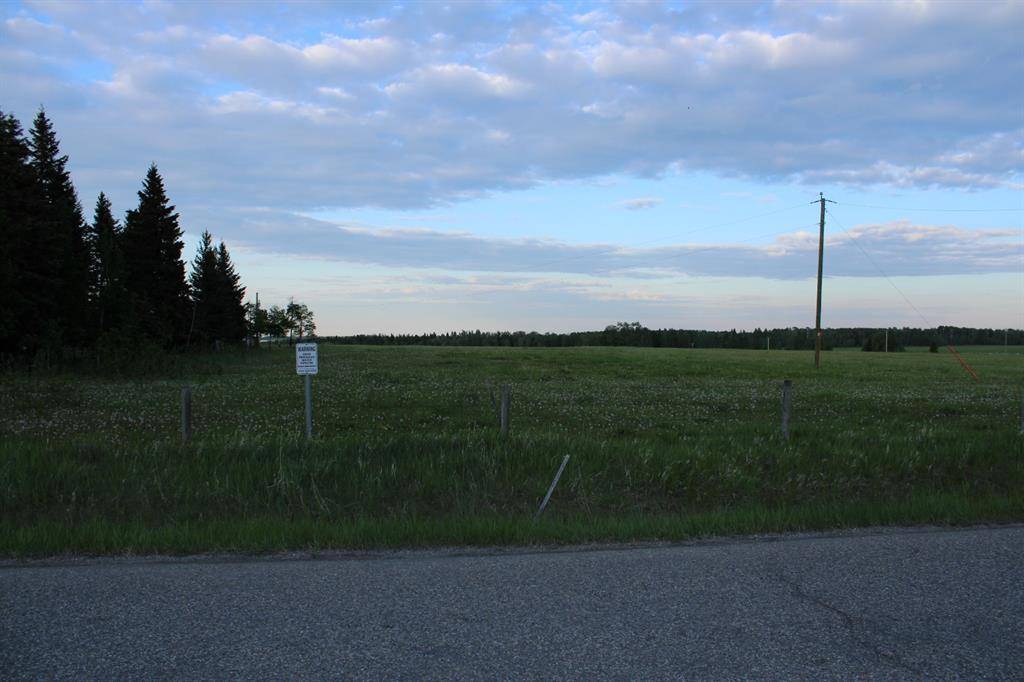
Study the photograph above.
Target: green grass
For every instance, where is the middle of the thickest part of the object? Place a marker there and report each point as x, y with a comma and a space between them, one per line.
663, 444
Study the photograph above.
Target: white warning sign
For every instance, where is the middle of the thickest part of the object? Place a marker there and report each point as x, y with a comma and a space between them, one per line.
305, 358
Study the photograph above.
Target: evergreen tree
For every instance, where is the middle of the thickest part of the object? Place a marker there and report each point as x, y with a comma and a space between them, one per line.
217, 295
64, 239
107, 272
154, 275
28, 269
203, 288
231, 293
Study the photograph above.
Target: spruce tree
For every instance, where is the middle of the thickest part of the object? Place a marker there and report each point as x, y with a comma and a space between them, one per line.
204, 290
107, 272
154, 274
28, 272
64, 240
231, 293
217, 295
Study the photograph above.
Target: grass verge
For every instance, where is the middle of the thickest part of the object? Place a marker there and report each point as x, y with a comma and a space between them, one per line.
100, 536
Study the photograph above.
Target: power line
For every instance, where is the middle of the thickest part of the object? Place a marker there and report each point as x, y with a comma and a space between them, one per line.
963, 363
716, 225
713, 247
612, 249
935, 210
540, 267
879, 268
688, 252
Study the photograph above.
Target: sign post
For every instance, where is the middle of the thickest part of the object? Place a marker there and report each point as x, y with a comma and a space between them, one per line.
306, 365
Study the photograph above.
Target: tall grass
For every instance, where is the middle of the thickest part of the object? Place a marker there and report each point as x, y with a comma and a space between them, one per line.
662, 444
439, 479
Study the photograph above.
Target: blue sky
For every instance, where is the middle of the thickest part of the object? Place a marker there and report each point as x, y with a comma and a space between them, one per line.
556, 166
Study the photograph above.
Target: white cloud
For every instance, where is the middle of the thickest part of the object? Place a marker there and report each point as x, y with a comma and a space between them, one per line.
336, 93
883, 173
641, 203
279, 67
458, 80
252, 103
418, 105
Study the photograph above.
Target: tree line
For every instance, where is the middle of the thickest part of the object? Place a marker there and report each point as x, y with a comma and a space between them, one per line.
70, 284
635, 334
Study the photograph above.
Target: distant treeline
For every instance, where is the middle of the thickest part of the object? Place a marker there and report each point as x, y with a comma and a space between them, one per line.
634, 334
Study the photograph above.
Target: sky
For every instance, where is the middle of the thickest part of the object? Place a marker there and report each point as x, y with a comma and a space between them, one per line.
417, 167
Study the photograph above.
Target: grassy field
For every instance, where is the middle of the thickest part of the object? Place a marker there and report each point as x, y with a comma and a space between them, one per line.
663, 443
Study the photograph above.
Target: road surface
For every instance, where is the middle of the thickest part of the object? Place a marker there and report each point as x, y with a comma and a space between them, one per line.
906, 603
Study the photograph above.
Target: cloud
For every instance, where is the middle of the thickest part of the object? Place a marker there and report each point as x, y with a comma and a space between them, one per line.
258, 61
897, 248
921, 176
458, 81
403, 106
641, 203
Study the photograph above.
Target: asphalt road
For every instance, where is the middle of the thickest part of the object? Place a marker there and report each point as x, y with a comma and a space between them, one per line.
884, 604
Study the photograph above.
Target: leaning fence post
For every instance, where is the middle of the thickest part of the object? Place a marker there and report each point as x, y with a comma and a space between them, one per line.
551, 489
506, 398
787, 400
186, 415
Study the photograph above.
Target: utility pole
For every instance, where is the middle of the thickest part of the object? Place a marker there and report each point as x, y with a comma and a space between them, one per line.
821, 253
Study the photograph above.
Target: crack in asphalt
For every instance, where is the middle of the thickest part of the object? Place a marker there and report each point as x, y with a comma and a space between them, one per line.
853, 624
939, 605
